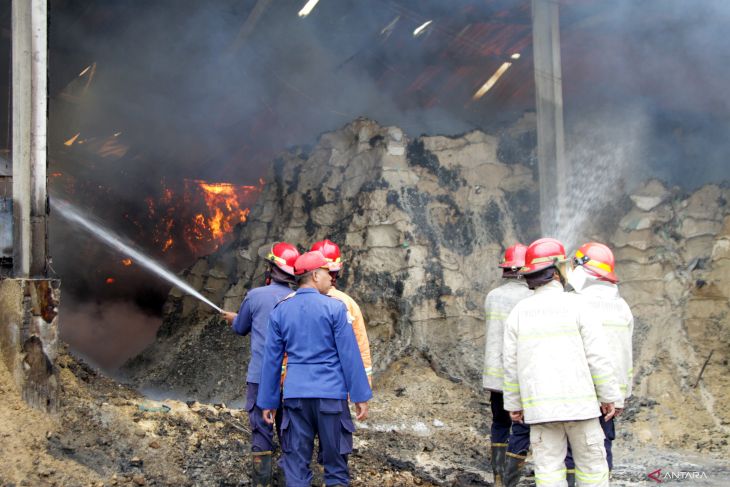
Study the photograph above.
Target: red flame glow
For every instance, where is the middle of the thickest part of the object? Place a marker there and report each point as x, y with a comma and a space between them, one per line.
205, 215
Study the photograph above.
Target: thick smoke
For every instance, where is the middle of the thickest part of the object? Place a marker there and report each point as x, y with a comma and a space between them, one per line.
195, 92
108, 333
193, 98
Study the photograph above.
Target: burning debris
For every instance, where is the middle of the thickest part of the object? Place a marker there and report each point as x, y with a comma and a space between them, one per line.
420, 217
225, 210
431, 213
183, 220
397, 201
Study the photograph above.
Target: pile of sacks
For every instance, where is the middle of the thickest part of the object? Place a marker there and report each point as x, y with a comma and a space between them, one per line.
421, 223
673, 258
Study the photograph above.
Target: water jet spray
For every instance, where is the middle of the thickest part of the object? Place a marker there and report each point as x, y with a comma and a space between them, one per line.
74, 215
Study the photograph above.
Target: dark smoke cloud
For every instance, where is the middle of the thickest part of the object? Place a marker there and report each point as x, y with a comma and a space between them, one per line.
192, 102
171, 77
644, 89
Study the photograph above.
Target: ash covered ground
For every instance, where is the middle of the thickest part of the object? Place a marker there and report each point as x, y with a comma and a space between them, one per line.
437, 210
424, 429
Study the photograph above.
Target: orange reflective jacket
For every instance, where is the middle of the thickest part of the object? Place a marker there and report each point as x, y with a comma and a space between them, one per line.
354, 314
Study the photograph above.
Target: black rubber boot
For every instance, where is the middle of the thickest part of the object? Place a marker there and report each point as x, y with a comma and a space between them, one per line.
513, 466
498, 456
570, 477
261, 469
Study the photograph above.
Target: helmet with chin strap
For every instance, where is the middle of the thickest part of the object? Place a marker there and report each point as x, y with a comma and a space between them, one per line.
282, 255
597, 260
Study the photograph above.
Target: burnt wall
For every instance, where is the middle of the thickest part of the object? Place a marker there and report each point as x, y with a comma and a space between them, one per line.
421, 223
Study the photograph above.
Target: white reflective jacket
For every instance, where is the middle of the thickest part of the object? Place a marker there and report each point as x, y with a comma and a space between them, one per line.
557, 366
603, 299
497, 305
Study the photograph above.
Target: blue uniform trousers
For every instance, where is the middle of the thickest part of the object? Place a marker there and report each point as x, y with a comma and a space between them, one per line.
303, 420
515, 435
609, 431
262, 433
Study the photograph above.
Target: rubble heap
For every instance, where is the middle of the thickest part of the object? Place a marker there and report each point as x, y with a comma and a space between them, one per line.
421, 223
673, 258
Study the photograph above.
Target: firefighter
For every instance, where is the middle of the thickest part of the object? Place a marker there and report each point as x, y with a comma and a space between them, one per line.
558, 376
509, 449
594, 279
253, 318
324, 366
331, 252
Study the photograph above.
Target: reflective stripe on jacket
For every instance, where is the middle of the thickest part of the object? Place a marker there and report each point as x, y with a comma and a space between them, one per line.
618, 325
557, 366
497, 306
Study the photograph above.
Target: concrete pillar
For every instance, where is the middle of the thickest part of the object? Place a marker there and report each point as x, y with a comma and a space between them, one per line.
551, 160
30, 112
29, 338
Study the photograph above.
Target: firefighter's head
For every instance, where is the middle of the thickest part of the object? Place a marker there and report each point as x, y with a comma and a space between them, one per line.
513, 260
280, 257
331, 252
311, 270
544, 262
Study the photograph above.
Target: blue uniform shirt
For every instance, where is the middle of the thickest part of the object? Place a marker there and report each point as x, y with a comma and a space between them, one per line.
323, 358
253, 317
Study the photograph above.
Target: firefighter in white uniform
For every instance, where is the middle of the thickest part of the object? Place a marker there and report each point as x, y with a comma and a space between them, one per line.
594, 278
558, 372
510, 441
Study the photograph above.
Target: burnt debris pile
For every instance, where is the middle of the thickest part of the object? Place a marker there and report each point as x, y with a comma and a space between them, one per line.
421, 223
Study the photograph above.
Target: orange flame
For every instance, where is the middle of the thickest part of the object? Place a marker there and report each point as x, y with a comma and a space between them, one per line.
126, 262
225, 210
198, 217
167, 245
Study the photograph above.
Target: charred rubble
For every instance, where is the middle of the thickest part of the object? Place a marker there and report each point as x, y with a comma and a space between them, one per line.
421, 222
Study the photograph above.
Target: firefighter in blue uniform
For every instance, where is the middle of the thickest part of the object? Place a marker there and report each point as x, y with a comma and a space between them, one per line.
324, 366
253, 318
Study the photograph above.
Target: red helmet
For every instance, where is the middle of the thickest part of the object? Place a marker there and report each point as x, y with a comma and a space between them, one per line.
541, 254
331, 252
281, 254
309, 261
514, 257
596, 259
